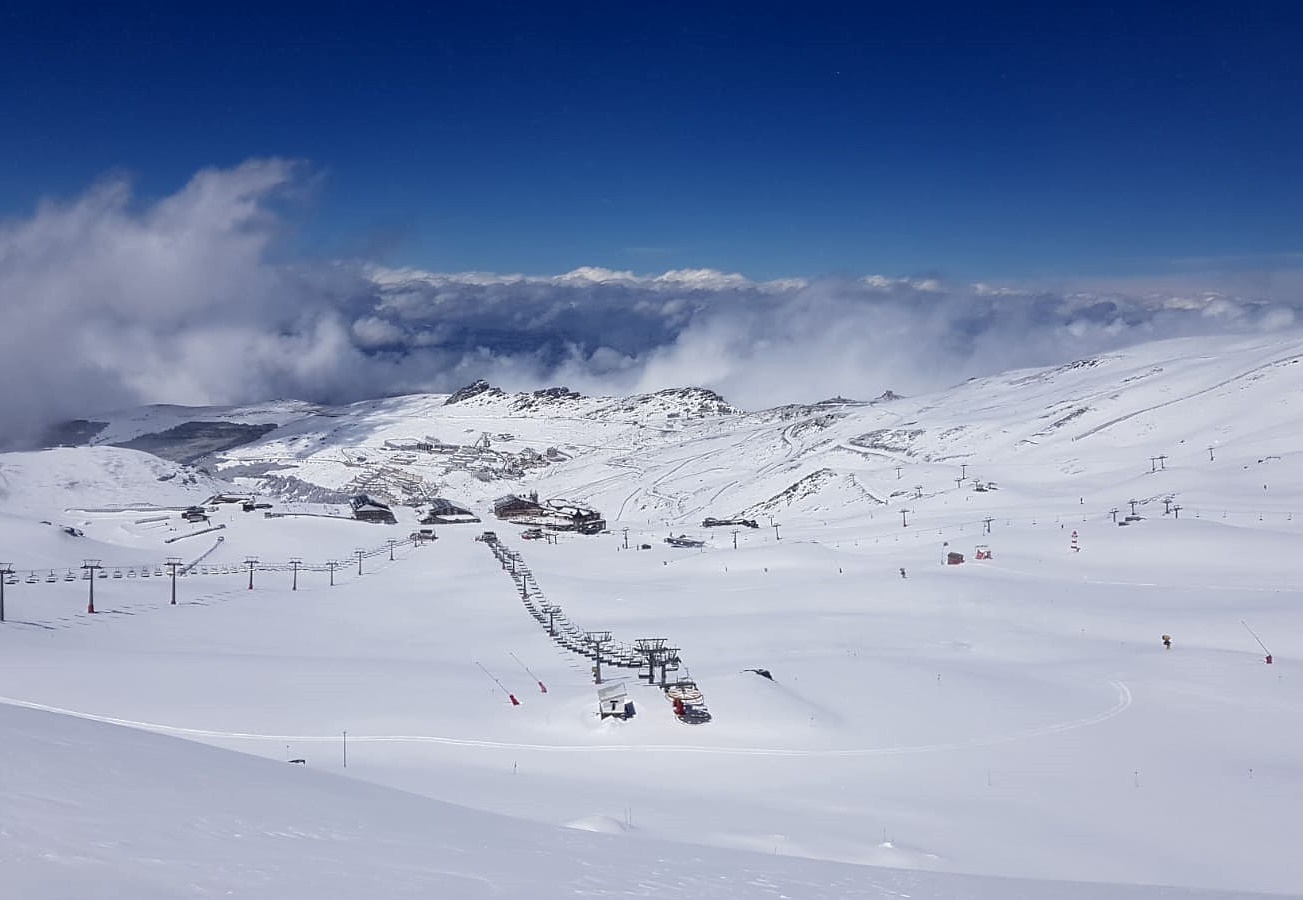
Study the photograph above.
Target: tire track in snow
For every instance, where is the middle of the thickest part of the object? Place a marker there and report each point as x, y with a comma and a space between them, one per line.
1120, 706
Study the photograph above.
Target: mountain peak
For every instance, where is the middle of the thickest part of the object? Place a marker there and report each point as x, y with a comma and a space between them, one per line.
474, 389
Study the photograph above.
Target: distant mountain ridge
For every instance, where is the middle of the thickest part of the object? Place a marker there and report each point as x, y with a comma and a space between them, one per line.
668, 454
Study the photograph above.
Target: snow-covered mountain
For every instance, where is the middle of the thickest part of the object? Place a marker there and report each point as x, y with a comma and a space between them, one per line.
674, 455
1007, 726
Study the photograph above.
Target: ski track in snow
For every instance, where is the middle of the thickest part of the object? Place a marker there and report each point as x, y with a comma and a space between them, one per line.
1104, 582
1119, 707
1284, 360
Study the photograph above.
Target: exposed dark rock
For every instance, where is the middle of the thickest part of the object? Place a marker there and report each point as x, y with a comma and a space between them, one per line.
75, 433
191, 441
474, 389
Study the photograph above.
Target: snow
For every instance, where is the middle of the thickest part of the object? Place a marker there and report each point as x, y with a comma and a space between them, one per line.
1010, 727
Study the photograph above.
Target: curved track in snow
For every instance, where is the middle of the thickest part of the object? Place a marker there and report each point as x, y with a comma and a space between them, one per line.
1284, 360
1120, 706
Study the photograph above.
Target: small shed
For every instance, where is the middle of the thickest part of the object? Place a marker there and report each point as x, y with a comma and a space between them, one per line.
954, 559
613, 701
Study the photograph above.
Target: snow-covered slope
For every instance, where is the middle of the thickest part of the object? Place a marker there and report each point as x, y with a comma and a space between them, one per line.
1006, 727
96, 810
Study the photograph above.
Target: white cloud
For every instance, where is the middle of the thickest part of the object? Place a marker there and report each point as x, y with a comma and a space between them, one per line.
111, 303
373, 332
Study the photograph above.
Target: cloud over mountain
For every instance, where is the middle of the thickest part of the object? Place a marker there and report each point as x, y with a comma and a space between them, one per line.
112, 302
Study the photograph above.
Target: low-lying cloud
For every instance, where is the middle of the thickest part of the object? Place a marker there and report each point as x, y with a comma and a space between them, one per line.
110, 304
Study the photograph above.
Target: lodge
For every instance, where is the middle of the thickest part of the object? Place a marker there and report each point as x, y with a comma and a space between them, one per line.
554, 515
513, 506
445, 512
367, 510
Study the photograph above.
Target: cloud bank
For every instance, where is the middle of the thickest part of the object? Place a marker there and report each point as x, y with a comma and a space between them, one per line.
111, 303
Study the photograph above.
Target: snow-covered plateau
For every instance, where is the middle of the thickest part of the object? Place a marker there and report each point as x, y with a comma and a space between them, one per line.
338, 708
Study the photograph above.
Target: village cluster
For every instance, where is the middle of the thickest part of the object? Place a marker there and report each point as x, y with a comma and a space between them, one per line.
480, 458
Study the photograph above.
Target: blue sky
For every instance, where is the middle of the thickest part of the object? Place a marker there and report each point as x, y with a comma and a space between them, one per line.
1036, 141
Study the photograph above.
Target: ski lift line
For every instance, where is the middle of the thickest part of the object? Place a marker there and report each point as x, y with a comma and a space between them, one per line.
33, 576
1121, 705
618, 654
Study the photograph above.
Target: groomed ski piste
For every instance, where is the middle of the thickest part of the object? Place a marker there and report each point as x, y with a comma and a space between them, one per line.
1006, 727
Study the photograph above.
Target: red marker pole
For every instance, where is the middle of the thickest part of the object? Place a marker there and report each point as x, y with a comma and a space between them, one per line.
510, 696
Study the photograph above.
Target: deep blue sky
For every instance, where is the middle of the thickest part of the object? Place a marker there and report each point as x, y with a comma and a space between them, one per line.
804, 139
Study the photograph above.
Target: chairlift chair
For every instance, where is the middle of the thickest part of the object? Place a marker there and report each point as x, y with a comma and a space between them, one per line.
117, 573
51, 578
70, 576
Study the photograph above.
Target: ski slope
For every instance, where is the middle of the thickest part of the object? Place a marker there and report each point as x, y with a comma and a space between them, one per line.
1001, 728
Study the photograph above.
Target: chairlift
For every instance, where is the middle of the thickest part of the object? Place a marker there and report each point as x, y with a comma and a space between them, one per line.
31, 579
51, 578
70, 576
158, 571
117, 573
103, 573
144, 571
131, 573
